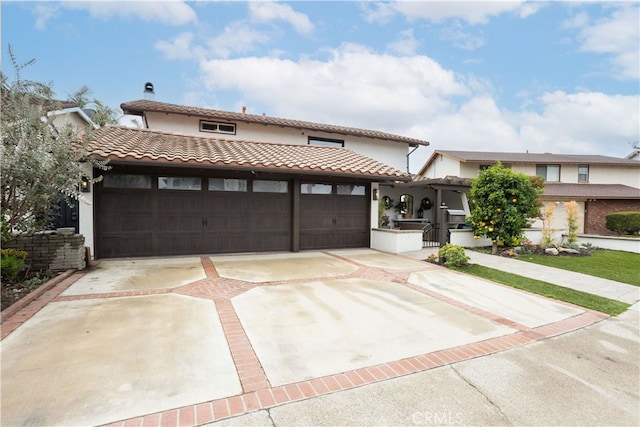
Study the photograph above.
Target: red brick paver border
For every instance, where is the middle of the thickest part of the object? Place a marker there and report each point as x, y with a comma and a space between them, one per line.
257, 391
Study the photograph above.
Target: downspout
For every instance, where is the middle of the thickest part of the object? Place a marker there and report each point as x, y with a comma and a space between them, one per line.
410, 153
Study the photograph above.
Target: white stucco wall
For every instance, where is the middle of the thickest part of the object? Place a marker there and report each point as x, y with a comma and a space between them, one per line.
396, 241
609, 175
388, 152
85, 213
61, 120
443, 166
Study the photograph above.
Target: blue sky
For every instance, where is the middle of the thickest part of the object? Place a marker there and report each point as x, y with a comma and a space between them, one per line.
559, 77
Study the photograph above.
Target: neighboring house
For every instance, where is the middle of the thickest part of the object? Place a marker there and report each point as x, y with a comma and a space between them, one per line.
601, 185
69, 113
206, 181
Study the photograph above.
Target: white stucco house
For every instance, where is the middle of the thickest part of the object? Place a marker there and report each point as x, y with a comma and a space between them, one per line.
196, 180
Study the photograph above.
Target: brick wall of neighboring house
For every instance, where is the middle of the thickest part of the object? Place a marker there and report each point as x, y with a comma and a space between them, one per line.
595, 218
51, 250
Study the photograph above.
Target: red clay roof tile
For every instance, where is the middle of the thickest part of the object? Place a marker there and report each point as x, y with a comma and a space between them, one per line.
143, 145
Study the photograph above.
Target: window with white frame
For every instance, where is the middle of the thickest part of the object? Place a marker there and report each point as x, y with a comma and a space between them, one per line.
583, 173
550, 173
217, 127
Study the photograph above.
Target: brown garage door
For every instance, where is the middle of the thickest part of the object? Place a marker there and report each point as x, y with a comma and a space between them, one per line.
333, 215
149, 215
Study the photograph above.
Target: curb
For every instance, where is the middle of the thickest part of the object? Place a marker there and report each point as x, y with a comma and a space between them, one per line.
33, 295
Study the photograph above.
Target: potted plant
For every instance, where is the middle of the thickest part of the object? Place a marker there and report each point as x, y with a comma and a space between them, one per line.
399, 207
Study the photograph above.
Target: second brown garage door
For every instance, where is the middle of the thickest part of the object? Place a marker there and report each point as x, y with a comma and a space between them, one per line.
333, 216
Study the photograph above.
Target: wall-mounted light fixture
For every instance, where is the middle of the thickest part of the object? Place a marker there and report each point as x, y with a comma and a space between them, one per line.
85, 185
375, 194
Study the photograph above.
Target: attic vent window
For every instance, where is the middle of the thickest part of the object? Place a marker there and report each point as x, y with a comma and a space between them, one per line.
217, 127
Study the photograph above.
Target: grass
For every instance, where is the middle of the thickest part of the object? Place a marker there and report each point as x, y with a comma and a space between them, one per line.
582, 299
608, 264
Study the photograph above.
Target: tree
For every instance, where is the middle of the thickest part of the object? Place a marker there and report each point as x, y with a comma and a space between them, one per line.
101, 114
40, 164
503, 202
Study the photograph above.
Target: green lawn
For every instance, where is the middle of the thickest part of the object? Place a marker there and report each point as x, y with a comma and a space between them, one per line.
614, 265
583, 299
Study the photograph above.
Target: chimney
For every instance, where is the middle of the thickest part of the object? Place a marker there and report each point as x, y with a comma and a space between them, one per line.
148, 91
244, 109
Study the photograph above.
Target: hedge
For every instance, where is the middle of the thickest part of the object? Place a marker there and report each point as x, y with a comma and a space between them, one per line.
624, 222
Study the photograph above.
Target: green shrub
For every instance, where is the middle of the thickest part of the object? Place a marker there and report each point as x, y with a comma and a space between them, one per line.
453, 255
11, 262
624, 222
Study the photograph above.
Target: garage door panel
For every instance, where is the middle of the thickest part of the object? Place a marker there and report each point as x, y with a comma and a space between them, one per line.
174, 222
221, 242
179, 243
180, 201
334, 220
228, 223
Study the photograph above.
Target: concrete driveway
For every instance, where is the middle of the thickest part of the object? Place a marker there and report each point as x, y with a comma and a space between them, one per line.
187, 341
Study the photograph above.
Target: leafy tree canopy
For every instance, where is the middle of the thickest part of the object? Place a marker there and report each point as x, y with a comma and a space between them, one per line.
39, 163
503, 203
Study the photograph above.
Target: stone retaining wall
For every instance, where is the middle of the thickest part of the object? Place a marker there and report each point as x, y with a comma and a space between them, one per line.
51, 250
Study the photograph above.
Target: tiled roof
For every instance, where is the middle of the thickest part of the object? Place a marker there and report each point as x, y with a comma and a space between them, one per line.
140, 106
488, 156
590, 191
141, 145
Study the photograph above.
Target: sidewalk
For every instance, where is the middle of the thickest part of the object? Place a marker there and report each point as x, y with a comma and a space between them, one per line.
578, 281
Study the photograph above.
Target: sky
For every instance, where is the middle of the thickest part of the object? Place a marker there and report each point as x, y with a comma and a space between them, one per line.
513, 76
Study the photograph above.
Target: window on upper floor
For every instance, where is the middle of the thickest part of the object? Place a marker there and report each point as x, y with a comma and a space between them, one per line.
549, 172
326, 142
583, 173
217, 127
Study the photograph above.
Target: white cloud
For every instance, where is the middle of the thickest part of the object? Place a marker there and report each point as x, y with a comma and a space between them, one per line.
354, 87
406, 43
568, 123
267, 11
471, 11
44, 12
237, 37
166, 12
180, 47
460, 38
619, 36
579, 20
577, 122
